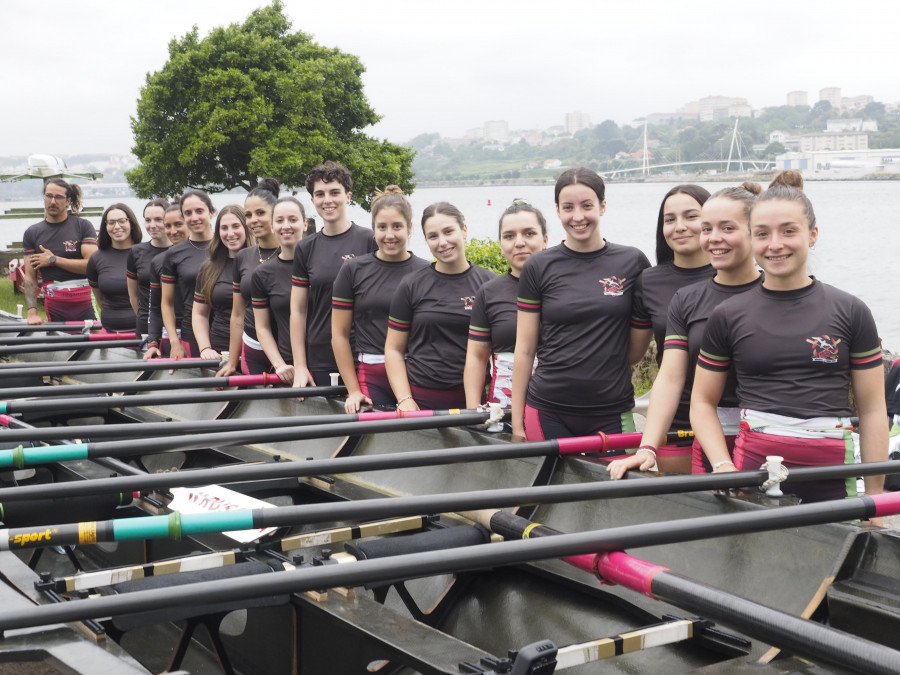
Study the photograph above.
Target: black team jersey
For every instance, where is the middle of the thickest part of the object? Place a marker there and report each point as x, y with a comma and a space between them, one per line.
64, 240
435, 309
155, 324
316, 264
494, 314
272, 291
585, 303
688, 313
106, 272
245, 263
137, 267
365, 285
181, 264
220, 308
655, 288
792, 351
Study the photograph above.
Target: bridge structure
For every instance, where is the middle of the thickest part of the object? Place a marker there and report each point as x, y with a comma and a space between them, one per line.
735, 156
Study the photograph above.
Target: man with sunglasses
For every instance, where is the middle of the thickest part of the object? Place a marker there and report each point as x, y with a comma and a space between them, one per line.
59, 247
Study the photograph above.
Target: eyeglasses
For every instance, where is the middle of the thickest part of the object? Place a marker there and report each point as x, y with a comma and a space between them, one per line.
121, 221
55, 198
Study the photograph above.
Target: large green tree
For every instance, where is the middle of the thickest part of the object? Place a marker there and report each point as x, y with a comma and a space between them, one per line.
252, 100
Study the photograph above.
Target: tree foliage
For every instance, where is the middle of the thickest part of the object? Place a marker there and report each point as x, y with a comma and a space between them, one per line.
256, 99
487, 254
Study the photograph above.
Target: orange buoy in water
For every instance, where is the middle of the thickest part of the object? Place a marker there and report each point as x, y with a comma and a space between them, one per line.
489, 202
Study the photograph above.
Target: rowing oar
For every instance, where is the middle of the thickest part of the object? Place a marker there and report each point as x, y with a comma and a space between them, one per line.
63, 405
63, 368
55, 339
66, 346
19, 431
22, 457
471, 500
763, 623
780, 628
177, 525
49, 326
88, 389
364, 423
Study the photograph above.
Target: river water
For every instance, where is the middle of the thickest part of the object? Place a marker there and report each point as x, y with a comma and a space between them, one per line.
859, 228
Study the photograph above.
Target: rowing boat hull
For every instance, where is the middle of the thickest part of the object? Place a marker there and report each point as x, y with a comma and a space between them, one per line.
489, 612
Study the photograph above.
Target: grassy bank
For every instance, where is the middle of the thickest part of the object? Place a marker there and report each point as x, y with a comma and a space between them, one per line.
9, 299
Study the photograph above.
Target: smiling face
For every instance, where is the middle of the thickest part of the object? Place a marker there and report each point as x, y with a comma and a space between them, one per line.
259, 217
198, 217
176, 228
289, 223
391, 234
681, 226
781, 241
154, 222
447, 240
520, 237
119, 228
579, 210
725, 234
232, 233
330, 200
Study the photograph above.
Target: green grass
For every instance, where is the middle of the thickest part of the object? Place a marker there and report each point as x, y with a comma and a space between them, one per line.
9, 299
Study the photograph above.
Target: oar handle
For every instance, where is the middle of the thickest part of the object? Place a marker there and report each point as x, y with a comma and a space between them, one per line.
105, 337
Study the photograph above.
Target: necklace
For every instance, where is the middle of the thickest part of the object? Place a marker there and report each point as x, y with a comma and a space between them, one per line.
204, 245
271, 255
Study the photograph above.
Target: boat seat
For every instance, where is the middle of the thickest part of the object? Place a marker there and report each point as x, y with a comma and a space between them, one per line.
128, 622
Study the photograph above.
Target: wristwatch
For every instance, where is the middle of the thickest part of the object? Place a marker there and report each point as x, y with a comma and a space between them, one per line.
52, 259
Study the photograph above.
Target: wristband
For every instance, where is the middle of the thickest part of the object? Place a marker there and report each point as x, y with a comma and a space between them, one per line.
203, 349
403, 398
722, 463
647, 448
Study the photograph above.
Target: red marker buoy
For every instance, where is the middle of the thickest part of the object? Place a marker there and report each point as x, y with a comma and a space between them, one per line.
489, 202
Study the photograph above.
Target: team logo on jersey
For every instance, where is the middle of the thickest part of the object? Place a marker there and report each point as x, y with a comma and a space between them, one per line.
613, 286
347, 256
468, 301
824, 349
70, 246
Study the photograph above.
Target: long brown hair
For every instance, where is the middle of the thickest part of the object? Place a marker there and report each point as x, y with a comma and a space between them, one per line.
218, 253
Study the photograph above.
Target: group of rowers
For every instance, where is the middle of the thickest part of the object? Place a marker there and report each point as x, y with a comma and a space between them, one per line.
755, 355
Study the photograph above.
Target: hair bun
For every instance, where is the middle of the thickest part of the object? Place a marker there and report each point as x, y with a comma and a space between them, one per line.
273, 185
752, 187
788, 178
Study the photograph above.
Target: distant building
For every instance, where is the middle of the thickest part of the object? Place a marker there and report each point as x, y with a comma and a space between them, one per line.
856, 102
778, 137
795, 98
576, 121
496, 130
476, 133
655, 119
852, 163
832, 95
833, 140
854, 124
552, 164
714, 108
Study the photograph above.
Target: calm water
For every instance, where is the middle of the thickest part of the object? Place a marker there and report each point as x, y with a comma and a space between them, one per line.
859, 229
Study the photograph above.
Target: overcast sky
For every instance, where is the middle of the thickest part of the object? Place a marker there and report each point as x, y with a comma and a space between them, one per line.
70, 72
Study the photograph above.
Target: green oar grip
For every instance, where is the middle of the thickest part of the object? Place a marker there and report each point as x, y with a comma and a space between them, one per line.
20, 457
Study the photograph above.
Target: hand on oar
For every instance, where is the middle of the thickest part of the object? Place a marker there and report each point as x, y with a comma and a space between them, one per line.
355, 401
302, 378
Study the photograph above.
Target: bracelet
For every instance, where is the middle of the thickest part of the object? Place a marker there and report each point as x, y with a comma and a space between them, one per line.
722, 463
203, 349
403, 398
647, 448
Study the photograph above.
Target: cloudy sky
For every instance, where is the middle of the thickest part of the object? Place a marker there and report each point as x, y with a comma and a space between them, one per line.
71, 72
